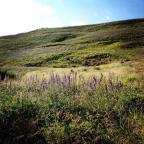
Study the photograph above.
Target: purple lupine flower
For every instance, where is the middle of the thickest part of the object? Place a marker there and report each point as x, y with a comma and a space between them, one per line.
52, 79
32, 78
111, 85
65, 80
94, 79
43, 84
92, 85
57, 79
68, 80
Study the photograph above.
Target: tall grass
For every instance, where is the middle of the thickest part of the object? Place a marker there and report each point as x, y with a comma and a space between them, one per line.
71, 109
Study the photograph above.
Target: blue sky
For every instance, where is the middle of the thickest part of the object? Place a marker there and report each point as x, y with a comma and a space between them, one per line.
96, 11
18, 16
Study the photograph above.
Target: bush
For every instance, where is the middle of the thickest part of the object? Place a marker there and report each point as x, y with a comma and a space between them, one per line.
19, 124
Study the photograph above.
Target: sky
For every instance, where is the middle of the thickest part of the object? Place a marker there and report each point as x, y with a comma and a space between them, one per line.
18, 16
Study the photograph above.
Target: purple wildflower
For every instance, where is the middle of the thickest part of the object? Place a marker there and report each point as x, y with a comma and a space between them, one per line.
43, 84
68, 80
58, 79
32, 78
111, 85
92, 85
94, 79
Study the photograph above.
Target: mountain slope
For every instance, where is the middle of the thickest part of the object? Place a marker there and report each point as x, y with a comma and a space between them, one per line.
75, 46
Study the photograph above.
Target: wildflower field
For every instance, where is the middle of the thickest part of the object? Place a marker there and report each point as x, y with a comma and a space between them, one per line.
70, 108
73, 85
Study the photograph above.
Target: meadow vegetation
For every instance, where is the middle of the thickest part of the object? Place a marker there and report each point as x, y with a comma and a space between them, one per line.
74, 85
71, 109
74, 46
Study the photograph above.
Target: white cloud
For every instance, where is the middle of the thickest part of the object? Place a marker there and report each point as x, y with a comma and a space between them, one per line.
24, 15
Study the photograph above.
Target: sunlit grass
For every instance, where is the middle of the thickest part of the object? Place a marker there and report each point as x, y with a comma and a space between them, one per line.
118, 68
67, 107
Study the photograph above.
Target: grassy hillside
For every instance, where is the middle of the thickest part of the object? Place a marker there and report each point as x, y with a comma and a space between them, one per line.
89, 45
81, 84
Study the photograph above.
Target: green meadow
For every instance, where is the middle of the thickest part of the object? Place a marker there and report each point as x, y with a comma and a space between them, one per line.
77, 85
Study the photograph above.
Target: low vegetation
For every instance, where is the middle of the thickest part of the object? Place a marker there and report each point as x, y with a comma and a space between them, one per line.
74, 85
74, 46
71, 109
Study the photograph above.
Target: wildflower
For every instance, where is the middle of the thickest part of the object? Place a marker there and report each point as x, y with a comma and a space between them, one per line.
33, 80
93, 85
94, 79
51, 80
65, 79
43, 84
58, 79
111, 85
68, 80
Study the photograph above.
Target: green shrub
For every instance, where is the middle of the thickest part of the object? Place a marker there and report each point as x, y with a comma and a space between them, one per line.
19, 123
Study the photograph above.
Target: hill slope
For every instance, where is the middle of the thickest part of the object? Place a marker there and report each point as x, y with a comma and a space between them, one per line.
75, 46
